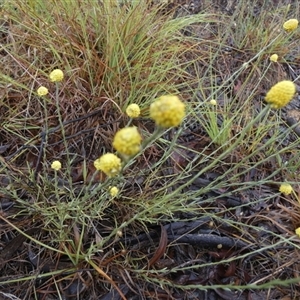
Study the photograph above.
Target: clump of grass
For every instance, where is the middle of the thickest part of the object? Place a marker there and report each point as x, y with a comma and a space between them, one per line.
107, 64
228, 175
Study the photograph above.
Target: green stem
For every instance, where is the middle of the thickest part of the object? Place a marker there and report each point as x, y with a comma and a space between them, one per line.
63, 132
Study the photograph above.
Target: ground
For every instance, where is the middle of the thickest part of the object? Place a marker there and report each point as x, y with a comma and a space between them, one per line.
200, 212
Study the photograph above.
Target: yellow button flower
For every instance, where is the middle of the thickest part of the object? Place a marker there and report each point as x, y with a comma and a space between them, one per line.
114, 191
290, 25
281, 94
286, 189
297, 231
133, 110
127, 141
119, 233
56, 75
56, 165
42, 91
274, 57
109, 163
167, 111
213, 102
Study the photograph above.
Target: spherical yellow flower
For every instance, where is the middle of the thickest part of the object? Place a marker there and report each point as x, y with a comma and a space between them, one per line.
167, 111
281, 94
109, 163
127, 141
213, 102
133, 110
42, 91
286, 189
297, 231
114, 191
290, 25
56, 165
274, 57
56, 75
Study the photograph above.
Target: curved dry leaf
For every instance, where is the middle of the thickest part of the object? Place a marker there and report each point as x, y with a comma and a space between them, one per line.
160, 251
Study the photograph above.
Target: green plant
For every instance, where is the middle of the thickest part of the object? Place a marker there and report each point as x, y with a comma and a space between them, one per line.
207, 204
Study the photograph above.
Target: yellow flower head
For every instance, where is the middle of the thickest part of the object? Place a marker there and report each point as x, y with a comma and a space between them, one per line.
127, 141
167, 111
133, 110
213, 102
281, 94
109, 163
56, 75
290, 25
286, 189
297, 231
114, 191
42, 91
56, 165
274, 57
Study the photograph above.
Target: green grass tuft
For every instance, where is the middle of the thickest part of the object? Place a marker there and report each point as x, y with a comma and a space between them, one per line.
218, 172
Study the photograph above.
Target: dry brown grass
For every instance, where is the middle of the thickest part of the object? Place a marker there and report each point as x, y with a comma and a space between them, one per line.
63, 237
